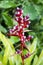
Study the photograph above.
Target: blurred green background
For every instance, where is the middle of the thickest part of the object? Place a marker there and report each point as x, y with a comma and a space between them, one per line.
33, 8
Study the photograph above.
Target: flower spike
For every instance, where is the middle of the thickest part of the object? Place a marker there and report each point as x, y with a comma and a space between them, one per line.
19, 30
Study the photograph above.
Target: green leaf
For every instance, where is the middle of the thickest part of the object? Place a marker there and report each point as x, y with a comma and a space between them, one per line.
34, 44
8, 19
40, 1
14, 39
40, 60
1, 57
32, 49
31, 11
6, 41
7, 4
38, 28
1, 63
35, 60
2, 29
39, 9
35, 1
42, 21
9, 50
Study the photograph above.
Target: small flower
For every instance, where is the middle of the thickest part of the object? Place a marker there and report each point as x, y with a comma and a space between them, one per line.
18, 51
29, 37
18, 12
26, 18
27, 55
23, 39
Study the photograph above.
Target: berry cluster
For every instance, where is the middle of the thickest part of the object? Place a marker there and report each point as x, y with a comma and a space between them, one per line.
19, 30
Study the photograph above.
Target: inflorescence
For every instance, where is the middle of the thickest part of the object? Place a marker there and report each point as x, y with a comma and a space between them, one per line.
19, 30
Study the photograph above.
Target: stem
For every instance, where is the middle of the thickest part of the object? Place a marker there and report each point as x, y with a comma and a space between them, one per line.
22, 59
22, 56
17, 46
12, 34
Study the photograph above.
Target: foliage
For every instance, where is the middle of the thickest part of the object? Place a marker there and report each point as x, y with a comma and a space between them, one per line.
33, 8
